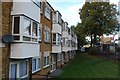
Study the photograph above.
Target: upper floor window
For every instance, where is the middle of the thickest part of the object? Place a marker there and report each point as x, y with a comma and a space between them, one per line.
34, 29
47, 34
54, 17
54, 38
16, 25
59, 38
65, 41
37, 2
59, 19
25, 29
47, 12
39, 33
27, 26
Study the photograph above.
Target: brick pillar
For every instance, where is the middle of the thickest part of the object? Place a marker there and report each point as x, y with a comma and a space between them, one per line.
30, 69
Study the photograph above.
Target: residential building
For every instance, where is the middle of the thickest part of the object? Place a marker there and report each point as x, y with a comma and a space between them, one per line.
19, 21
46, 39
65, 28
38, 38
56, 40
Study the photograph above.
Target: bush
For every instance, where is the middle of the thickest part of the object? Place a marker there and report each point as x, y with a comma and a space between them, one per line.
93, 50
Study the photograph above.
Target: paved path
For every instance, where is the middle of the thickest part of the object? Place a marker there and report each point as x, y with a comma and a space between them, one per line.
57, 72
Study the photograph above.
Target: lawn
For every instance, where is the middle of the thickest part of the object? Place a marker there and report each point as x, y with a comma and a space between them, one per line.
88, 66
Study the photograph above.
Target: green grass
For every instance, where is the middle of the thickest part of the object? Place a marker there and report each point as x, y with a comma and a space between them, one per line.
87, 66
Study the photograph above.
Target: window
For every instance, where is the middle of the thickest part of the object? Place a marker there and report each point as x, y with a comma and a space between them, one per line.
46, 61
63, 41
46, 35
54, 38
38, 67
54, 17
27, 26
59, 19
13, 71
40, 32
16, 25
63, 27
26, 29
69, 43
47, 12
34, 29
37, 2
59, 38
23, 69
35, 64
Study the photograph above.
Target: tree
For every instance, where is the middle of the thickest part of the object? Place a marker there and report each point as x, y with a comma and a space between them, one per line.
98, 18
79, 31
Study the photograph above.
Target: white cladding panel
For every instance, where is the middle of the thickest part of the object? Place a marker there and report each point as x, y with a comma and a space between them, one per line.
69, 37
65, 34
57, 29
65, 49
56, 49
27, 8
69, 48
46, 53
24, 50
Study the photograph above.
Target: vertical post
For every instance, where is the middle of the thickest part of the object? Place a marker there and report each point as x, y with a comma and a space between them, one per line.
30, 69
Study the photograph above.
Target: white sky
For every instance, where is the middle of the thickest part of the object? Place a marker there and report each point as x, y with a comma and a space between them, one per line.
69, 9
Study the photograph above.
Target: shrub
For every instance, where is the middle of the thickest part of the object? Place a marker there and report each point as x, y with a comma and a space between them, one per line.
93, 50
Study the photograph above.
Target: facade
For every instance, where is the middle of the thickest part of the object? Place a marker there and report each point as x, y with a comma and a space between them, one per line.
56, 40
119, 22
65, 28
42, 41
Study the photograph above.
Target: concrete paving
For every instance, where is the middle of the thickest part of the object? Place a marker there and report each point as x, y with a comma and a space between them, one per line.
57, 72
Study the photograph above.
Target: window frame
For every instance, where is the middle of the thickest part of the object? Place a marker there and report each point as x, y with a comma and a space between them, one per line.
36, 65
19, 37
24, 76
47, 11
46, 61
47, 34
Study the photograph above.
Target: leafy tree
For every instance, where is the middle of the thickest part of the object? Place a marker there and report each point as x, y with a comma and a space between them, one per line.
98, 18
79, 31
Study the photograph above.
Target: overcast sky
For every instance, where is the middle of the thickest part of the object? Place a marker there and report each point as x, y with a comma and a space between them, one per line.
69, 9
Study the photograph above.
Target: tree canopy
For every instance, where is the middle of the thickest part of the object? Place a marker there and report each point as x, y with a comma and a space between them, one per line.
79, 31
98, 18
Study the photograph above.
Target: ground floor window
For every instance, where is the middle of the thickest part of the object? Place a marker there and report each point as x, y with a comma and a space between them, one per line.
35, 64
19, 70
46, 61
23, 69
13, 71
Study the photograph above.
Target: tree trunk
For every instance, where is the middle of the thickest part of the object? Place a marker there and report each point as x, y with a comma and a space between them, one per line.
95, 41
91, 40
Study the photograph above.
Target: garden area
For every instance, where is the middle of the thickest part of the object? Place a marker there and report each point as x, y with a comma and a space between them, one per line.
90, 66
